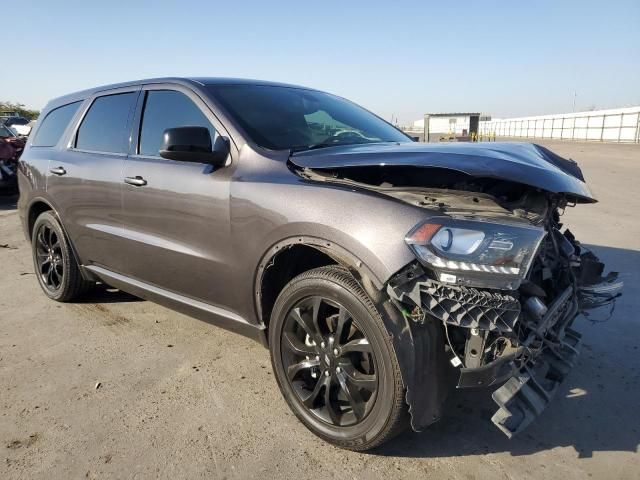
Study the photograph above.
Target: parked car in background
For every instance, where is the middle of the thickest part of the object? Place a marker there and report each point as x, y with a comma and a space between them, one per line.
20, 125
6, 114
11, 147
6, 133
369, 265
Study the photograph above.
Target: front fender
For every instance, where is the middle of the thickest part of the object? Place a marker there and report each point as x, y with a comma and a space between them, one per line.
419, 348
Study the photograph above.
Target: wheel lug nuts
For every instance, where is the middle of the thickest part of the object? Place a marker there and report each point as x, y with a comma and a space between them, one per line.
326, 373
318, 357
322, 345
335, 351
338, 369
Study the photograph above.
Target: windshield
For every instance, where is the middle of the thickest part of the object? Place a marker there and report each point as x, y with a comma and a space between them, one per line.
282, 118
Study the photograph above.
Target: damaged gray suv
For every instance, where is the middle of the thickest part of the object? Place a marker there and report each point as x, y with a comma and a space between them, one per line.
374, 268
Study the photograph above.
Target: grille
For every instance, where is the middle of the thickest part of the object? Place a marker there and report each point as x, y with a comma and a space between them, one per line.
463, 306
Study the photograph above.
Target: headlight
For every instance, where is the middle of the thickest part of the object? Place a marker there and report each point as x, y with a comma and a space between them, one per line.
476, 253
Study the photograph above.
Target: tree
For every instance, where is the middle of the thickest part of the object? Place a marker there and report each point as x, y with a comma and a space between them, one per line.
20, 108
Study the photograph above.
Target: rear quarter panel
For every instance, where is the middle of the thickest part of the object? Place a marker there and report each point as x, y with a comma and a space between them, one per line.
32, 181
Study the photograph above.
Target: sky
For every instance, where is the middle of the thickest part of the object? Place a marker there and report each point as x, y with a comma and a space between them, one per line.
399, 59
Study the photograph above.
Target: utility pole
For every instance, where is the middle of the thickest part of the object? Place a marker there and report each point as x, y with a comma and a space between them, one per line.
575, 94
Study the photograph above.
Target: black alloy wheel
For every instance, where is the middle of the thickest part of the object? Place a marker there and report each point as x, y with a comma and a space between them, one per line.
49, 259
55, 265
329, 361
334, 360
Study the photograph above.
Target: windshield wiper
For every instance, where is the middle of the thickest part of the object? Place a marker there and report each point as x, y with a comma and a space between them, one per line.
315, 146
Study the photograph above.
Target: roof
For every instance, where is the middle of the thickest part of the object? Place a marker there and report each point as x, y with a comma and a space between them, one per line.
188, 81
240, 81
455, 114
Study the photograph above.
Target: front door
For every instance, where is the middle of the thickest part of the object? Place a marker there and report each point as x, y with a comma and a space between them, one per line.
175, 214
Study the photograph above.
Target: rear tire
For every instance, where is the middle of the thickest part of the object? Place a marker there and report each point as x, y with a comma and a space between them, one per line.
334, 360
54, 262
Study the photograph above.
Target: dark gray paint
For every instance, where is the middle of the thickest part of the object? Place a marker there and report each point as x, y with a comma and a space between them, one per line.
89, 195
196, 236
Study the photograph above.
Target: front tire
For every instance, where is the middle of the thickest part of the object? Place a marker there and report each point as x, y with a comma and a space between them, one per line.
334, 360
55, 265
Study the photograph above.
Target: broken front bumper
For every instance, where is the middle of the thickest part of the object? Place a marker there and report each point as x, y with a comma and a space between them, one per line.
544, 352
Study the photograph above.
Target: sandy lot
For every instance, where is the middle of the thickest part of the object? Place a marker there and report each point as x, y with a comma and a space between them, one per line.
182, 399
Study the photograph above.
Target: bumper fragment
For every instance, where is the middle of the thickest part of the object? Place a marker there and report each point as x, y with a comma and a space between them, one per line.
527, 393
490, 374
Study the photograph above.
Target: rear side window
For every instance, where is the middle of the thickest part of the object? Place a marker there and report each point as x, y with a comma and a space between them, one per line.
104, 127
54, 125
168, 109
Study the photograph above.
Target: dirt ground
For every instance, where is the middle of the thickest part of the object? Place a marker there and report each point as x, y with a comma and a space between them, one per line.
178, 398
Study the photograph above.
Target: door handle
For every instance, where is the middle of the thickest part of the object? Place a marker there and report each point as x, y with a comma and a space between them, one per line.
137, 181
58, 171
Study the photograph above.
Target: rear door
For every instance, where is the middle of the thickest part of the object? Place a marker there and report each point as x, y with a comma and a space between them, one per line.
85, 179
175, 214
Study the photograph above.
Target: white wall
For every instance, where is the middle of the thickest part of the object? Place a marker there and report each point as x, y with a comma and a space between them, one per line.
614, 125
444, 125
418, 125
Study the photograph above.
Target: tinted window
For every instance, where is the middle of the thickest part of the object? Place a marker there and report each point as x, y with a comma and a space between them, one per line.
54, 125
168, 109
104, 128
17, 121
286, 117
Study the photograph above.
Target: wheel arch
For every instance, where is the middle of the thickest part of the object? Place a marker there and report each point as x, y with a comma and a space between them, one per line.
40, 205
37, 207
295, 255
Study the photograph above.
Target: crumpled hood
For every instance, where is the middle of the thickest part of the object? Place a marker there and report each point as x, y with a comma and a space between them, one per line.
524, 163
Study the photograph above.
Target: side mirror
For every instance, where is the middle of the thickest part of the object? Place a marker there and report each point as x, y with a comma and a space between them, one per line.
193, 144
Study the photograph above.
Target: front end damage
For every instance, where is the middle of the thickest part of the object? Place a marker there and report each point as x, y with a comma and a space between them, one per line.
521, 339
497, 282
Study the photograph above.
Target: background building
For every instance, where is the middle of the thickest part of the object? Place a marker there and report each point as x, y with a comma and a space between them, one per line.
620, 125
437, 126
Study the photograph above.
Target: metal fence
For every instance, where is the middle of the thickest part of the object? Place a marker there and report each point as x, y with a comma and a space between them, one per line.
621, 125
